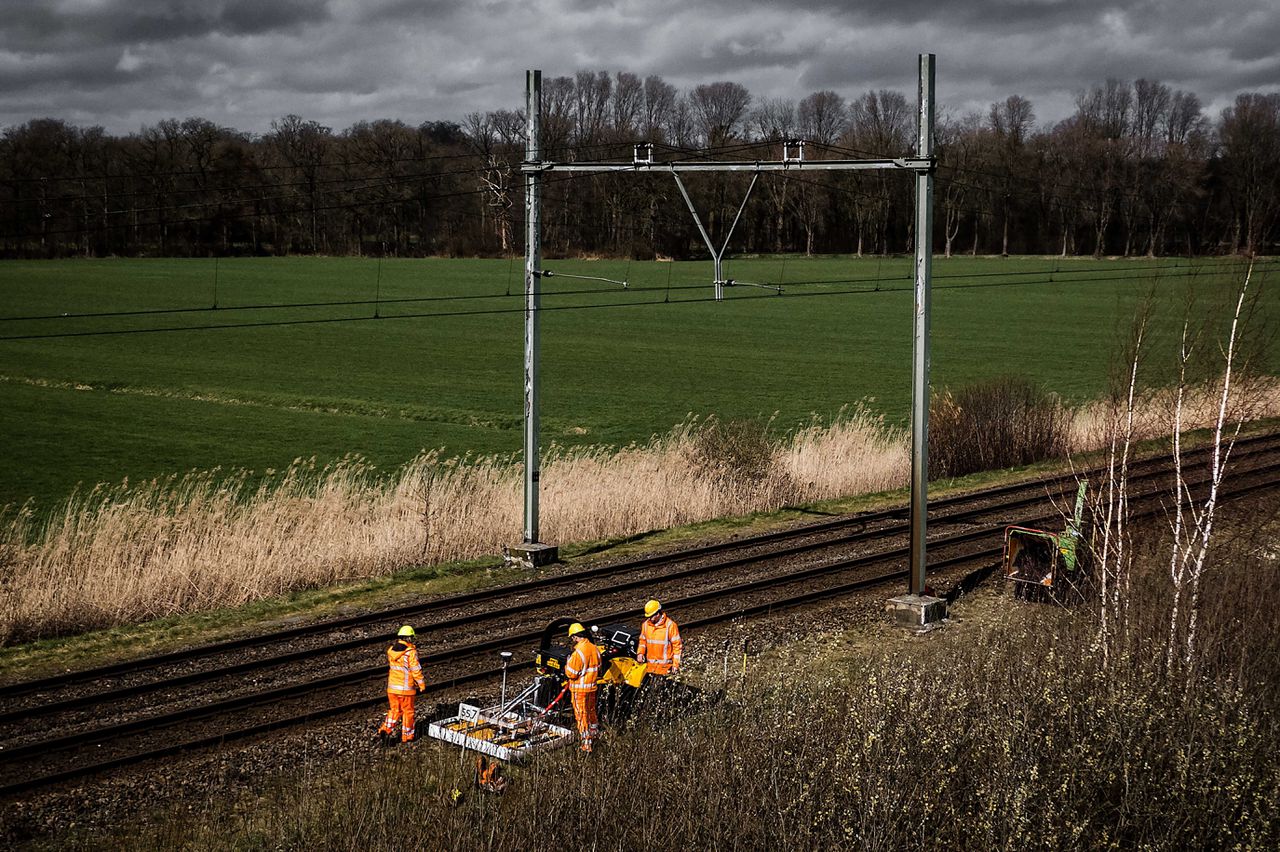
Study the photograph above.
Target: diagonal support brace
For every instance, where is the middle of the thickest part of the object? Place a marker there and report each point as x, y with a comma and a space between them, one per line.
716, 256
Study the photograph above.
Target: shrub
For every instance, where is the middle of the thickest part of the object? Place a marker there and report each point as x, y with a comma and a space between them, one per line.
736, 455
998, 423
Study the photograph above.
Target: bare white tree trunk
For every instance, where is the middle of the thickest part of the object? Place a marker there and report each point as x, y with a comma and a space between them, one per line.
1221, 455
1114, 556
1177, 560
1192, 522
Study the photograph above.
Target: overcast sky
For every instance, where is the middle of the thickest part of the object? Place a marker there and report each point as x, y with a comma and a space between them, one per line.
126, 63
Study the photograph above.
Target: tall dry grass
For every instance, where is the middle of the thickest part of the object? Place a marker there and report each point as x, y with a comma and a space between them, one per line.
1255, 399
136, 551
116, 555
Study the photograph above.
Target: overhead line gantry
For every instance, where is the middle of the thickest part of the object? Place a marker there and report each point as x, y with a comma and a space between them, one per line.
914, 606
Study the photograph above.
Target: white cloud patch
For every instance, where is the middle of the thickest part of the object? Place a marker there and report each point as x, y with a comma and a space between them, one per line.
130, 62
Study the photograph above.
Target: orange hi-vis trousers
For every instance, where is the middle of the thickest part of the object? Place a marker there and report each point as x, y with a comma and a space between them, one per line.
401, 708
584, 713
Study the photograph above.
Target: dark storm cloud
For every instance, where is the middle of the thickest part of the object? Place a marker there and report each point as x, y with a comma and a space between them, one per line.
45, 23
242, 63
434, 11
1264, 76
92, 70
726, 57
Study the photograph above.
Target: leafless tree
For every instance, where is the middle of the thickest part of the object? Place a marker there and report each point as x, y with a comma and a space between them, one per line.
822, 117
880, 125
1250, 143
1011, 122
774, 119
558, 103
628, 105
719, 110
1114, 561
959, 145
1193, 520
303, 145
486, 133
659, 107
592, 92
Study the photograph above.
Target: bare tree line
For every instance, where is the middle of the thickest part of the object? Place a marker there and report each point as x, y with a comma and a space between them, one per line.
1138, 169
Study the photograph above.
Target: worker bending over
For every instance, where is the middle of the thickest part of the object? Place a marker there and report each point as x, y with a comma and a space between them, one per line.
404, 682
659, 646
582, 671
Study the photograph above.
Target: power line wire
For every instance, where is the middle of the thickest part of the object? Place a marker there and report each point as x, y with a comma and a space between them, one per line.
1177, 272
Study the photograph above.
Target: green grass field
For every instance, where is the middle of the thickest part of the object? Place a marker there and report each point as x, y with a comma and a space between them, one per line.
91, 408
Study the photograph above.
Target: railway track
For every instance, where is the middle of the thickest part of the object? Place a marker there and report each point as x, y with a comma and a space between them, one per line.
250, 688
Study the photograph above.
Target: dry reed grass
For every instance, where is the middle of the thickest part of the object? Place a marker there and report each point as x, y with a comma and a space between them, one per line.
116, 555
1256, 399
137, 551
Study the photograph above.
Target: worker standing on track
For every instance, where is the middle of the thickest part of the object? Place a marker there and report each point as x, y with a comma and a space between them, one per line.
582, 670
659, 646
404, 682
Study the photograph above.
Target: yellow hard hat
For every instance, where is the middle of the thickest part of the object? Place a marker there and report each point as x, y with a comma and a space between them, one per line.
651, 607
405, 631
575, 629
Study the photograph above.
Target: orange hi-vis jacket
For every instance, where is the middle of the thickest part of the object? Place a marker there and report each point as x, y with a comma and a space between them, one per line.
406, 671
583, 667
659, 645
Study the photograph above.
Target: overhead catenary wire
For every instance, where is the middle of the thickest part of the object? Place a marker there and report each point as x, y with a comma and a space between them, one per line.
1038, 181
1129, 268
877, 279
1181, 271
1085, 197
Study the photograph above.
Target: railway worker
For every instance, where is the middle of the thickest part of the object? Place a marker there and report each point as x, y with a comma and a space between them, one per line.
659, 646
582, 670
404, 682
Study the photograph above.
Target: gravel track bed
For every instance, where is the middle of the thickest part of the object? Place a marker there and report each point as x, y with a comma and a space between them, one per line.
294, 707
189, 781
326, 662
320, 647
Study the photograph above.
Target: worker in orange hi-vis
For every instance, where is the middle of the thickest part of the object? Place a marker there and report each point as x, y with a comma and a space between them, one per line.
659, 646
582, 670
404, 682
